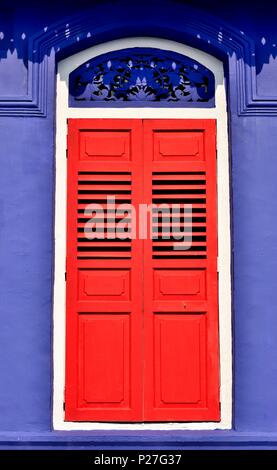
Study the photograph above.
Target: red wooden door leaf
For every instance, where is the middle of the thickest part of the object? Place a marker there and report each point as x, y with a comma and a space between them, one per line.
180, 285
104, 276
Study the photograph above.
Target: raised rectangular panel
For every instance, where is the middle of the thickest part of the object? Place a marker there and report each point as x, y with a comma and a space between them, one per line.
180, 375
105, 146
104, 360
175, 284
101, 284
178, 146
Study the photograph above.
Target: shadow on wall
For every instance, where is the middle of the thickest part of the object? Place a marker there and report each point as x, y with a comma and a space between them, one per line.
21, 21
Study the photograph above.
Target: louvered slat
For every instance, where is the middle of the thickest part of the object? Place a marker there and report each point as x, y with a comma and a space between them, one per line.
95, 188
179, 188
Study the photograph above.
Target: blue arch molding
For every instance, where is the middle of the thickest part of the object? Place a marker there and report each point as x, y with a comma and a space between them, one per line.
176, 22
140, 77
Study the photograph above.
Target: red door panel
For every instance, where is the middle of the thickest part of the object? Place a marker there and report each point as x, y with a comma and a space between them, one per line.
181, 375
142, 315
104, 275
180, 355
104, 341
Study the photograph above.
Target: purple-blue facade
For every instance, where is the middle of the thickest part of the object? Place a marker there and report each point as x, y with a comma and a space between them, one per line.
32, 41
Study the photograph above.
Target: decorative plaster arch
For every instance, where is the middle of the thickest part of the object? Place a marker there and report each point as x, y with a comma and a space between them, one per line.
174, 21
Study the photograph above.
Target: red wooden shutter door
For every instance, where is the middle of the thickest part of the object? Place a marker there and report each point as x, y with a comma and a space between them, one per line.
104, 276
142, 317
180, 286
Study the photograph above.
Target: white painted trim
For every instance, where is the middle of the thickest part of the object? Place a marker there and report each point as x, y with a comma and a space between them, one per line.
224, 245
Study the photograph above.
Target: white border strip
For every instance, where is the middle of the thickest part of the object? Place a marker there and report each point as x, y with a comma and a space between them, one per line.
224, 245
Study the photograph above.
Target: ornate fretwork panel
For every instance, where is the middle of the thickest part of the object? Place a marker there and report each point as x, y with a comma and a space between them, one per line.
141, 77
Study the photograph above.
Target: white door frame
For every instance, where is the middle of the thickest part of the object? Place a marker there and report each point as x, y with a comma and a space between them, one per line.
219, 112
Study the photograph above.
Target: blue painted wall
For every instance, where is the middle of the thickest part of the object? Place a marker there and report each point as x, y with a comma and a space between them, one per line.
26, 246
26, 209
